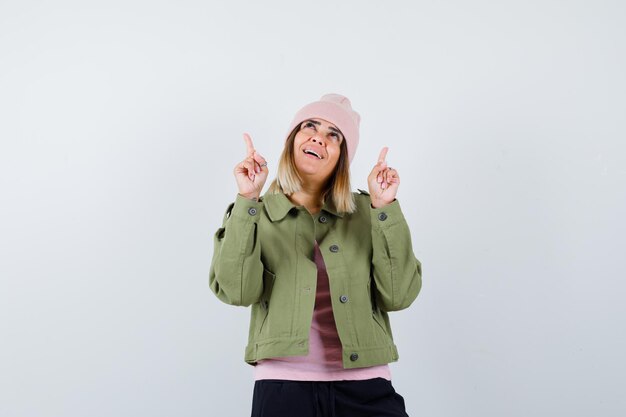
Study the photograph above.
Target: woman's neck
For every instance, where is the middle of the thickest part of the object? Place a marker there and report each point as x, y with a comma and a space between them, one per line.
310, 197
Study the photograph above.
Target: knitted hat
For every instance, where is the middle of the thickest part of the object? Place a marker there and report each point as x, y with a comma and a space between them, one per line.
336, 109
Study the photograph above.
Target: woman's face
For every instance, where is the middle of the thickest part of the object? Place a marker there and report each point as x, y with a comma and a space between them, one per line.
317, 147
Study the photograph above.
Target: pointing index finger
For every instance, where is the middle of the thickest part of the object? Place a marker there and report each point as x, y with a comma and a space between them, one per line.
249, 145
383, 154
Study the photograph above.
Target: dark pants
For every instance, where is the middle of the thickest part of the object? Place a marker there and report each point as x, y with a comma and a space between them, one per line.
368, 398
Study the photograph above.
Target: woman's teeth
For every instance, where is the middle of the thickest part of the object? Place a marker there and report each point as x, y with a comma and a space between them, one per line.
310, 152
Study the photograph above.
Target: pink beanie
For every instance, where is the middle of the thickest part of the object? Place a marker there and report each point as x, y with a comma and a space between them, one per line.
336, 109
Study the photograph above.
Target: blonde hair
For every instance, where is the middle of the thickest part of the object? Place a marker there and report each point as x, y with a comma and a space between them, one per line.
288, 181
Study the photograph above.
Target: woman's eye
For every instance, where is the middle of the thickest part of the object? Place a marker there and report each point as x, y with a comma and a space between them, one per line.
309, 125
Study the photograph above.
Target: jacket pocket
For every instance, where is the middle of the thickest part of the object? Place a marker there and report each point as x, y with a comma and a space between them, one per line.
377, 320
375, 311
264, 301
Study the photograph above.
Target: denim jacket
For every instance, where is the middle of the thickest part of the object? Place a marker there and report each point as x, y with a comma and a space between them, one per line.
263, 257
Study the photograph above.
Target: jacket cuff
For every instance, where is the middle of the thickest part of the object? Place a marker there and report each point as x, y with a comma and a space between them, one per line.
246, 209
386, 216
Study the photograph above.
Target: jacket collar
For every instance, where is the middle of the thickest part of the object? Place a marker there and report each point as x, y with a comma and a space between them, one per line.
278, 205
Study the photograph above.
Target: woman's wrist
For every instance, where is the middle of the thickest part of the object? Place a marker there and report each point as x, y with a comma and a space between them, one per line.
250, 196
378, 204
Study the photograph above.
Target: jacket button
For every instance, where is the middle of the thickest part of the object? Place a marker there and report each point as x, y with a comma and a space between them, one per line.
323, 219
354, 357
334, 248
382, 216
343, 298
252, 211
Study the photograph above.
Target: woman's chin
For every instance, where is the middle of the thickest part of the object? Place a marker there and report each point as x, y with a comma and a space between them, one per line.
307, 171
307, 166
311, 172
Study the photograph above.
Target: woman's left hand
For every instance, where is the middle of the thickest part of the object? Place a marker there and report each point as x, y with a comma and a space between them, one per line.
383, 182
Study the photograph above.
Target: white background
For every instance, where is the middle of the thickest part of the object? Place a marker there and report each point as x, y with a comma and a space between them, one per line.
120, 125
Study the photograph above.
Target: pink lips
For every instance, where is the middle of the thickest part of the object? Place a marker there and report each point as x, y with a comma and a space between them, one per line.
314, 149
312, 156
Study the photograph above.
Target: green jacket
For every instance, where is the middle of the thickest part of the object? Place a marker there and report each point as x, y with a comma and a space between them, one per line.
263, 256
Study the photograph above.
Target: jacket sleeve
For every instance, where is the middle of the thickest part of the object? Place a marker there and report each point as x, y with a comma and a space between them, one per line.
236, 274
397, 272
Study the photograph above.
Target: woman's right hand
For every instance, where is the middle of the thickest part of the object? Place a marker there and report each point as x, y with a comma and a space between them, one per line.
251, 173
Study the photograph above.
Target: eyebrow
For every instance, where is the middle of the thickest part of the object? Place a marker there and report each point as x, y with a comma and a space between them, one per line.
329, 127
335, 130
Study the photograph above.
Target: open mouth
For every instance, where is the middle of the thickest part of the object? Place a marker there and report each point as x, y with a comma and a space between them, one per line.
312, 152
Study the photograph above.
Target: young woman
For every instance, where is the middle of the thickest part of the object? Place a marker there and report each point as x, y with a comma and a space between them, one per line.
321, 267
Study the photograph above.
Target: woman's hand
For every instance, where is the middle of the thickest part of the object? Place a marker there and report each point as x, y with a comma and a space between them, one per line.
251, 173
383, 182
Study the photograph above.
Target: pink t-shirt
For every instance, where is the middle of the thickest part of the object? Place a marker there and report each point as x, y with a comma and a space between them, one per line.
323, 363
